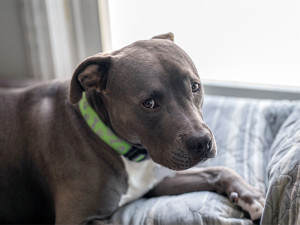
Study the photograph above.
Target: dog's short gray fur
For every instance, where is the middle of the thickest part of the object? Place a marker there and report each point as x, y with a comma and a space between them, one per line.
54, 169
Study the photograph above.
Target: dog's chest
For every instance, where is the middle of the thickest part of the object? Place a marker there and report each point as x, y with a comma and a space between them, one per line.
142, 177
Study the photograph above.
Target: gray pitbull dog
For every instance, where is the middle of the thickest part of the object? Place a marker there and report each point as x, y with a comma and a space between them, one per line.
73, 153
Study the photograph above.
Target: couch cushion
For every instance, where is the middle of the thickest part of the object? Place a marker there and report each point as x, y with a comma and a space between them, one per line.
244, 130
199, 208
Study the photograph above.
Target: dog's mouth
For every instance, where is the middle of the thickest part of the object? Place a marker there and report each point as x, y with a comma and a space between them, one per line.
184, 152
180, 160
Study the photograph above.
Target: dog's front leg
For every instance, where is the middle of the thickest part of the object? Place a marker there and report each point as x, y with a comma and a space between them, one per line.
82, 206
217, 179
79, 213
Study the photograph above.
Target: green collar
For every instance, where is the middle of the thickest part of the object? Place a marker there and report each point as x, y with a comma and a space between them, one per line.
106, 135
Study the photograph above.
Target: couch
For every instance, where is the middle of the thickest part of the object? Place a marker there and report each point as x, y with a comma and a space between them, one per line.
259, 139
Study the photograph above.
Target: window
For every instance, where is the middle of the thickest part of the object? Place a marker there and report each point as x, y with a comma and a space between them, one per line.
248, 41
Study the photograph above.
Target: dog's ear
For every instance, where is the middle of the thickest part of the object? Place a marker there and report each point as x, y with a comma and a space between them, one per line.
169, 36
90, 74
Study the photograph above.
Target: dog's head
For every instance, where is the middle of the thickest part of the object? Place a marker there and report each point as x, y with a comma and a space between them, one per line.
150, 93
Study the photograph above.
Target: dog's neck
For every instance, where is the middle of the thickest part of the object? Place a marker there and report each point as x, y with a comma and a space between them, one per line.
133, 153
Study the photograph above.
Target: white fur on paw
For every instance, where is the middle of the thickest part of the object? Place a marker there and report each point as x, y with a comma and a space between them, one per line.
255, 209
262, 201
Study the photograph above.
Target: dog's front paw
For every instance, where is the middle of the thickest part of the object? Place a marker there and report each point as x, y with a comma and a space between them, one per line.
242, 194
251, 202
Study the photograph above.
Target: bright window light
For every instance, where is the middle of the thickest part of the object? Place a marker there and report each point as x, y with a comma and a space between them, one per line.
250, 41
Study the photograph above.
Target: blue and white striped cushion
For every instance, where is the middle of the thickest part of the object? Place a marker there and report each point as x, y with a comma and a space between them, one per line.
244, 130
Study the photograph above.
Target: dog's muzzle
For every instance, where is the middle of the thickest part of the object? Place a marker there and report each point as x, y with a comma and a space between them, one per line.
201, 146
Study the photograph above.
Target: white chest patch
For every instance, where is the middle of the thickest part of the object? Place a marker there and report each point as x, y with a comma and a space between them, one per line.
142, 177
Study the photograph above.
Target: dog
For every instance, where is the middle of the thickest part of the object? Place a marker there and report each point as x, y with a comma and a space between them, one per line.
127, 125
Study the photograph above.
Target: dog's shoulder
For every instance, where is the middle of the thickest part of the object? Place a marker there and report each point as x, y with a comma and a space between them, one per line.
35, 91
55, 89
32, 102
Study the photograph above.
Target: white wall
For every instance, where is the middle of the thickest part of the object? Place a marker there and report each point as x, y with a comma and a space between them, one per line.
256, 41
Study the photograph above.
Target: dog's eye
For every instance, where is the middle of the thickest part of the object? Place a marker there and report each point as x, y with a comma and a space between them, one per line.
150, 104
195, 87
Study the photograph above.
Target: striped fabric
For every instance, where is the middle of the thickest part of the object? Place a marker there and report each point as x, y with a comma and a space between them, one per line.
259, 139
244, 130
283, 196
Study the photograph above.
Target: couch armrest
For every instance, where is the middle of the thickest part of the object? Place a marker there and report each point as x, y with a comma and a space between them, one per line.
283, 195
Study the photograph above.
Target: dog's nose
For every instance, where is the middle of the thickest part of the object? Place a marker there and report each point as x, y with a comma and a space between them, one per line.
201, 145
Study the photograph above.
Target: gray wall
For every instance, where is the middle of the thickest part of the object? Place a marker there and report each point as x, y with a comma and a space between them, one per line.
13, 60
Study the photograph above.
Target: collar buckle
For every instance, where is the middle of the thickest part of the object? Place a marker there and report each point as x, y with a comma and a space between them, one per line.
136, 154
